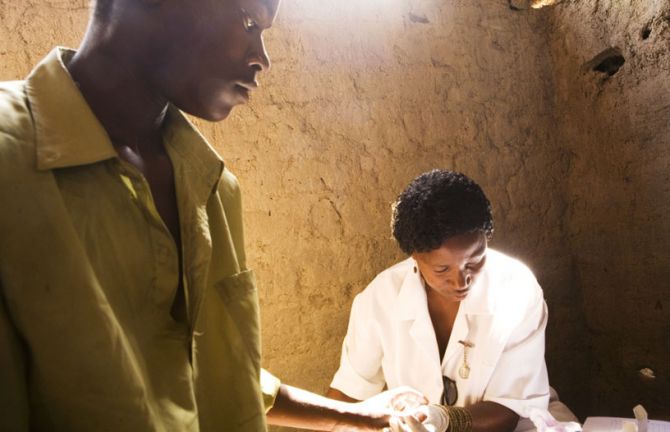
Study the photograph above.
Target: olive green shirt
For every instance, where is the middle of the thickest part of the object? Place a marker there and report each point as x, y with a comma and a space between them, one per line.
89, 272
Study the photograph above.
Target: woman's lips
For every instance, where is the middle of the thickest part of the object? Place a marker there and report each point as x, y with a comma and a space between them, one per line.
461, 293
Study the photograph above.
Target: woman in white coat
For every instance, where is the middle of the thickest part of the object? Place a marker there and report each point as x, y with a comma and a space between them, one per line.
458, 321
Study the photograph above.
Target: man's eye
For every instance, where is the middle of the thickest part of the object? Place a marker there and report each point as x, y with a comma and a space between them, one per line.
442, 270
249, 24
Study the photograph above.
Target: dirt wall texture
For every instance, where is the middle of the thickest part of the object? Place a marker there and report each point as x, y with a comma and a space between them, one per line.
611, 68
364, 96
362, 99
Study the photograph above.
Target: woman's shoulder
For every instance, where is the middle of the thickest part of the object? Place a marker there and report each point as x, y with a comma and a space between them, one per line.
391, 279
503, 267
385, 287
511, 280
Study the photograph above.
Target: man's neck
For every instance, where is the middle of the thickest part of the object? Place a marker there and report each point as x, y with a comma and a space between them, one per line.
131, 112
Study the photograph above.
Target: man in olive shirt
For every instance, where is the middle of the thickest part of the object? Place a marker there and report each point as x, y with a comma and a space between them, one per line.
126, 303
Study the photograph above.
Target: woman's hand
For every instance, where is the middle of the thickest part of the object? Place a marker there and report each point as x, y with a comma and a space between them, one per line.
373, 414
408, 424
434, 419
397, 400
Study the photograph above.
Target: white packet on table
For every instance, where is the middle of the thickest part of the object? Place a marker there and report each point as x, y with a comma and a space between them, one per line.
545, 422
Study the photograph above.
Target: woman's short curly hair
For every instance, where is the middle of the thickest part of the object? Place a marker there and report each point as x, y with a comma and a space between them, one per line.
436, 206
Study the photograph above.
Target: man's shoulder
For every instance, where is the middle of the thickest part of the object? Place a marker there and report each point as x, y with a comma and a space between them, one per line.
15, 118
17, 130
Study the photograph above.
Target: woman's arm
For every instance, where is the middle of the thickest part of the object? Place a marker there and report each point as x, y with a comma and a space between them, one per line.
492, 417
479, 417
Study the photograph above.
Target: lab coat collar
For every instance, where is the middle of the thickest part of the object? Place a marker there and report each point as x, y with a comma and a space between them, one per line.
474, 316
411, 307
412, 295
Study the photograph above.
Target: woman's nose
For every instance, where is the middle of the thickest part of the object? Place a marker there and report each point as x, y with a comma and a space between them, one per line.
464, 280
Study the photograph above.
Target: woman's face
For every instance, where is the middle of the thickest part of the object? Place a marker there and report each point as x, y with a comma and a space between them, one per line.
452, 269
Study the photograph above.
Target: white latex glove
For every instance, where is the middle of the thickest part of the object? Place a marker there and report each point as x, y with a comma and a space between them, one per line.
436, 417
399, 399
436, 421
545, 422
407, 424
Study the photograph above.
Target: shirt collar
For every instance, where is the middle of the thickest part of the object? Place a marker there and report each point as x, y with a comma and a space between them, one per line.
189, 151
68, 133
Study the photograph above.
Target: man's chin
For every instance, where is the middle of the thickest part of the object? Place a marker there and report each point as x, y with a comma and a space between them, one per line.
213, 109
219, 115
215, 114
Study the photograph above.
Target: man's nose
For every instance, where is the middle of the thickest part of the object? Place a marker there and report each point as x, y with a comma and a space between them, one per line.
258, 57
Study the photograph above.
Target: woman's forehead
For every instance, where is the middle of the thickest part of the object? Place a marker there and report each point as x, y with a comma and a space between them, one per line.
460, 247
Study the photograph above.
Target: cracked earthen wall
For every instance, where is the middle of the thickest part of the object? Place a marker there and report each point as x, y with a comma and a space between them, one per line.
362, 97
617, 131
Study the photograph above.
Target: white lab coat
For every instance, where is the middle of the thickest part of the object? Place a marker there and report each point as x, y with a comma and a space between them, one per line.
391, 341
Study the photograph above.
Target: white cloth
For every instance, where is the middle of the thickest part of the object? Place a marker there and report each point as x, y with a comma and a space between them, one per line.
391, 341
545, 422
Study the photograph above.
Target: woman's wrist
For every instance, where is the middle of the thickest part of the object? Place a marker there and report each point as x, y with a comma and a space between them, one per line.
459, 419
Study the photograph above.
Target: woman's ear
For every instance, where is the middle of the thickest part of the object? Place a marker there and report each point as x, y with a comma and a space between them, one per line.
415, 269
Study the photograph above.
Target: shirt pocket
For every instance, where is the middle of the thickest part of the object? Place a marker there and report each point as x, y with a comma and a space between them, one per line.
483, 359
240, 297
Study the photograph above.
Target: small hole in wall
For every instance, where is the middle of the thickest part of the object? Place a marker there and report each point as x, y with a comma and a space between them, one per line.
608, 62
419, 19
610, 65
646, 32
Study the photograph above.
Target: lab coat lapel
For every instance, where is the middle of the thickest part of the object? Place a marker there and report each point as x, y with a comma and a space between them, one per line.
475, 327
413, 310
480, 357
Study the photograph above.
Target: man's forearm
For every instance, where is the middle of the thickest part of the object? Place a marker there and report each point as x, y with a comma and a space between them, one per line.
336, 394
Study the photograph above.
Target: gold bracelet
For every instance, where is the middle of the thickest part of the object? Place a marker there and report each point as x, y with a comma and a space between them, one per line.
460, 419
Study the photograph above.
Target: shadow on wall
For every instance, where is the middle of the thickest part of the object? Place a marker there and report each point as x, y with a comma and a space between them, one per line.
612, 111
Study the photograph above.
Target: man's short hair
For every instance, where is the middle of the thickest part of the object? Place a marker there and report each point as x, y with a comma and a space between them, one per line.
436, 206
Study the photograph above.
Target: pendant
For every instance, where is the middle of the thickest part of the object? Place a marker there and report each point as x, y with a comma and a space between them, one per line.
464, 371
